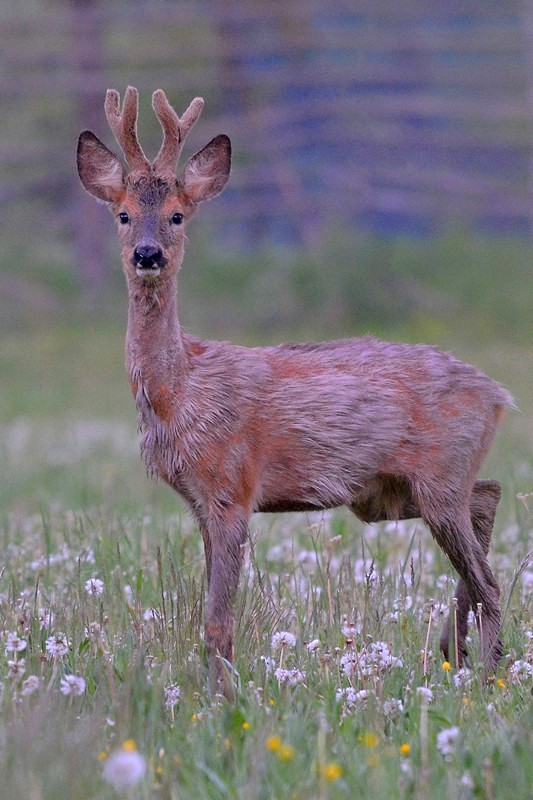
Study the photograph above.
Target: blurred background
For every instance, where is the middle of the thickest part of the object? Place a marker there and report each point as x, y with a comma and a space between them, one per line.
382, 182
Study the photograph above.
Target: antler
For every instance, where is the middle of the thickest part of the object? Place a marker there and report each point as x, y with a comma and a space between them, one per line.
175, 129
124, 126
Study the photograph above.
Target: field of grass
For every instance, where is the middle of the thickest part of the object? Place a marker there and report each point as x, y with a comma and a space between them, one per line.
342, 692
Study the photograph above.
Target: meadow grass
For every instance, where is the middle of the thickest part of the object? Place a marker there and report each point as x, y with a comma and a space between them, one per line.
342, 691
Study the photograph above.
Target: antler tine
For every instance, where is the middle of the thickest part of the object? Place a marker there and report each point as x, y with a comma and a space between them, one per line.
175, 128
124, 125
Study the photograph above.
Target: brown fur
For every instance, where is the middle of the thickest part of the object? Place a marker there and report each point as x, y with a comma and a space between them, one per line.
392, 431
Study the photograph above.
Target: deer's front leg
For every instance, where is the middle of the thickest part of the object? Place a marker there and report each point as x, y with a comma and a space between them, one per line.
225, 532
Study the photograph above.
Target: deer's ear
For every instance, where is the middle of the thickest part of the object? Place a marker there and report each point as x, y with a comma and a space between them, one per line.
206, 173
99, 169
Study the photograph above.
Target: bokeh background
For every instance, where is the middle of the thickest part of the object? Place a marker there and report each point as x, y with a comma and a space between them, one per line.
382, 182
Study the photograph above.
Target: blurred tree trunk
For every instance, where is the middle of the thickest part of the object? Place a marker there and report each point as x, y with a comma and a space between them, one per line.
91, 227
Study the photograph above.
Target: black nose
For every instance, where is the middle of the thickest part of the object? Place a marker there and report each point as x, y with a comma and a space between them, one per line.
147, 255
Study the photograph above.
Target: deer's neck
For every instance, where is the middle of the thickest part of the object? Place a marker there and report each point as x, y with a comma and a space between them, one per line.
155, 357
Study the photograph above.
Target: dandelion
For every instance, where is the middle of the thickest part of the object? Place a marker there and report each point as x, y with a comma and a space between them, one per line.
283, 639
289, 677
446, 666
331, 771
172, 694
447, 741
125, 767
273, 744
72, 685
30, 685
425, 694
369, 740
94, 587
14, 644
246, 726
286, 752
405, 749
57, 645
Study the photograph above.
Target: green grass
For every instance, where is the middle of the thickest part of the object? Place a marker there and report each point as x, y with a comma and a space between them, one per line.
75, 505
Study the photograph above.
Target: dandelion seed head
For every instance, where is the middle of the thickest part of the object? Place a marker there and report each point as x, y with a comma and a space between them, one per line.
125, 767
72, 685
14, 644
57, 645
30, 685
172, 694
447, 741
94, 587
283, 639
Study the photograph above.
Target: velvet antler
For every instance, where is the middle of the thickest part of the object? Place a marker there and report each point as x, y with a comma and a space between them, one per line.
175, 129
124, 126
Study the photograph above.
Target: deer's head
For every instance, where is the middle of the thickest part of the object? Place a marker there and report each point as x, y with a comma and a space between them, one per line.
152, 202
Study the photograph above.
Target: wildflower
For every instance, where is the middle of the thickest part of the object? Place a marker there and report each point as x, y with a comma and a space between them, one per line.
283, 639
151, 615
369, 740
274, 744
30, 685
57, 645
463, 677
349, 630
172, 694
16, 669
500, 683
125, 767
425, 694
286, 752
520, 671
447, 741
246, 726
314, 645
405, 749
290, 677
14, 644
46, 618
446, 666
331, 771
73, 685
94, 587
392, 707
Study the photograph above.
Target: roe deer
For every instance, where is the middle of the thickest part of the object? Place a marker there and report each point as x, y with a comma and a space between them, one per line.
393, 431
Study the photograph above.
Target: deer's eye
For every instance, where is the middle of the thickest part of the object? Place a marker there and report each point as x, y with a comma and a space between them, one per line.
177, 218
124, 218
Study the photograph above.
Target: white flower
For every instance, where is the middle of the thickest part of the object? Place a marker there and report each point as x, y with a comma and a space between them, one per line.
16, 669
392, 707
283, 639
314, 645
447, 740
151, 614
349, 630
425, 694
30, 685
94, 587
46, 618
290, 677
72, 684
463, 677
520, 671
269, 664
125, 767
172, 694
57, 645
14, 644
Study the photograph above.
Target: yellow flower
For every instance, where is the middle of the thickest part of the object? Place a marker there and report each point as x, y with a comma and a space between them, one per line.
500, 683
102, 756
286, 752
246, 726
369, 739
272, 702
129, 746
466, 701
446, 666
331, 771
274, 744
194, 718
405, 749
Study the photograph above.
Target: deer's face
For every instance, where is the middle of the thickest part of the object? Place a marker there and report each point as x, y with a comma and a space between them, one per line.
151, 214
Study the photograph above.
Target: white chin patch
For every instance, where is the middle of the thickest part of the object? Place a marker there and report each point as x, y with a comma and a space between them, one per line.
148, 272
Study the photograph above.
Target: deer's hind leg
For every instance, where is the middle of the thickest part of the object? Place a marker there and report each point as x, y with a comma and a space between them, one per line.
452, 528
483, 503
